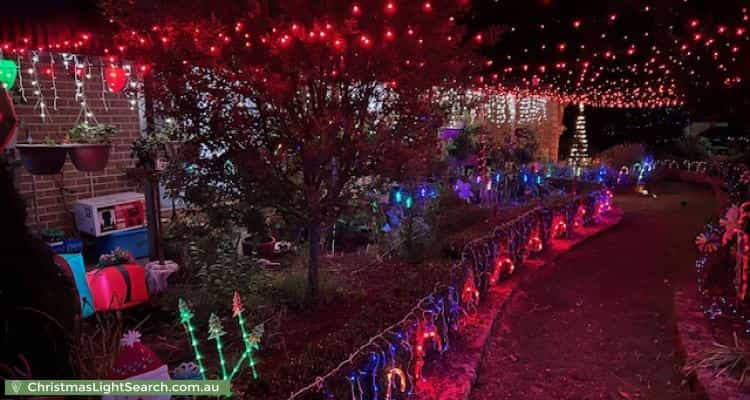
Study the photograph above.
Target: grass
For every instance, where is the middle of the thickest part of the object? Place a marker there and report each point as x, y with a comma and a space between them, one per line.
731, 360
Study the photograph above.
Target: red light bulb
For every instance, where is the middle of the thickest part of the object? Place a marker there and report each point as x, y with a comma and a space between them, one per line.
427, 6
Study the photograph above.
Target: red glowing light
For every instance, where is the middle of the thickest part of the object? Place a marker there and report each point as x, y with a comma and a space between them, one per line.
115, 78
427, 6
390, 7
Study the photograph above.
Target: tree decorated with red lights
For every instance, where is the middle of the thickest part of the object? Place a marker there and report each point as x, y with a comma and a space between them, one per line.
292, 102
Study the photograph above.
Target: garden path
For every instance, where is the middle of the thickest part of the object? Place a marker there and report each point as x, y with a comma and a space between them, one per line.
599, 323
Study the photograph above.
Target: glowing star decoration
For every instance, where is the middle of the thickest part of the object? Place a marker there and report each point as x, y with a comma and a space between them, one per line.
400, 383
8, 73
116, 78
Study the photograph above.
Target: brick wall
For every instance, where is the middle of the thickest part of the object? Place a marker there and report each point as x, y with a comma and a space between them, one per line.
53, 204
550, 130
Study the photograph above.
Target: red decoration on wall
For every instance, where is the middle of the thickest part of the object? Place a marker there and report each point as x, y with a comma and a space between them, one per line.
115, 77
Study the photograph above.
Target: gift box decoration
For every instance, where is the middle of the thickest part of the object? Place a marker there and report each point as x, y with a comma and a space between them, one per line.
118, 287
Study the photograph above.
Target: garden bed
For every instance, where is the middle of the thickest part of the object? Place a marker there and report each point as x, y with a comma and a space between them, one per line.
360, 294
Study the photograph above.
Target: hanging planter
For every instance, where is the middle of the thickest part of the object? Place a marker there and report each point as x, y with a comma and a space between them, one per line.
90, 157
89, 146
42, 159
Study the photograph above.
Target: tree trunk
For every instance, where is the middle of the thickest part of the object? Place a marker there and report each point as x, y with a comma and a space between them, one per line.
313, 233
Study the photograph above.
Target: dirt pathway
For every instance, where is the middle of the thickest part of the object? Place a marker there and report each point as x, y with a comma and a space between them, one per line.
599, 324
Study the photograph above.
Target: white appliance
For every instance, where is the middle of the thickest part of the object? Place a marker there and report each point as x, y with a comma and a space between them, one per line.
104, 215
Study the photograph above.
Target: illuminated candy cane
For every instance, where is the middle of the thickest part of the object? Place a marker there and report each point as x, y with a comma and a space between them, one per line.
558, 227
624, 171
580, 213
535, 244
426, 330
504, 264
469, 293
395, 373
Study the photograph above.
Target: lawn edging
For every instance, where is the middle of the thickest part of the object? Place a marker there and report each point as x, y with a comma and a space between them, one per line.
454, 377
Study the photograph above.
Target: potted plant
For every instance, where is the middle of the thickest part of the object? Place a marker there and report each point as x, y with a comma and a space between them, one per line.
46, 158
149, 148
53, 236
258, 238
89, 146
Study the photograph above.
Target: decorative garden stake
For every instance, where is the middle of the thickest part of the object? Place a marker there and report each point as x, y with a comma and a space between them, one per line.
252, 341
216, 331
186, 316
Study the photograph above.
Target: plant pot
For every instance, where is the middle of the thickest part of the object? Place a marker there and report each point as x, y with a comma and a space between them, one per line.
247, 246
265, 249
90, 157
42, 159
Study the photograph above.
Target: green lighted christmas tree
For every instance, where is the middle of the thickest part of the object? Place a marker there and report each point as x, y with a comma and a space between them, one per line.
250, 340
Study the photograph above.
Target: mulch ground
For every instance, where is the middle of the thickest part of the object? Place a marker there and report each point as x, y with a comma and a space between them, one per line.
600, 323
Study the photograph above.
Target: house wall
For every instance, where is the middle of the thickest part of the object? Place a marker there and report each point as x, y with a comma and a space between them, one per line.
50, 198
550, 131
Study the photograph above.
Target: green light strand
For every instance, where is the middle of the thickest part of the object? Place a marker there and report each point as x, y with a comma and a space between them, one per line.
237, 366
249, 346
186, 317
216, 331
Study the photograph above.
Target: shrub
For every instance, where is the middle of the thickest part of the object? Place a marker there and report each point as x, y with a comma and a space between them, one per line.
290, 290
623, 155
732, 360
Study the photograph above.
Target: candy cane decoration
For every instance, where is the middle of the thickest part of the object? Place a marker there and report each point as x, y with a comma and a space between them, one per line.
470, 293
401, 382
558, 227
425, 331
